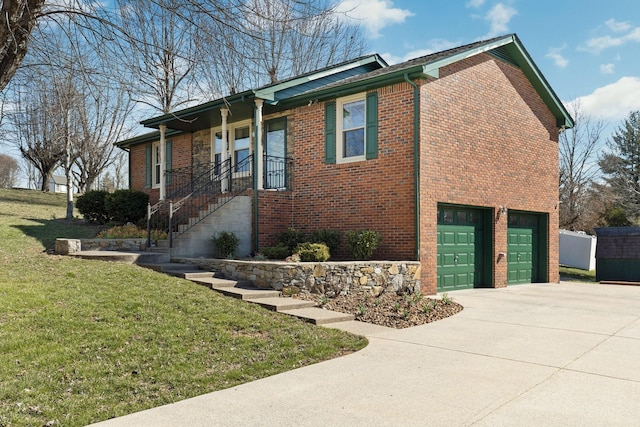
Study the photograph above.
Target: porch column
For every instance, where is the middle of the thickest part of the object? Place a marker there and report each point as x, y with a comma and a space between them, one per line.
225, 149
163, 162
258, 156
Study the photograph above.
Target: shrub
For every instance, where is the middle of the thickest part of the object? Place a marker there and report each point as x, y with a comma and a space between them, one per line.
279, 251
313, 252
226, 244
331, 238
92, 206
125, 206
362, 243
291, 239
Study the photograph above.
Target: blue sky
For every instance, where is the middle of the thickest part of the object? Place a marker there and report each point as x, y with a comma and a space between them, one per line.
588, 50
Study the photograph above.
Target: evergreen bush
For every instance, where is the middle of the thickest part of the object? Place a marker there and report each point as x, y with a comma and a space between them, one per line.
226, 244
125, 206
92, 206
313, 252
362, 243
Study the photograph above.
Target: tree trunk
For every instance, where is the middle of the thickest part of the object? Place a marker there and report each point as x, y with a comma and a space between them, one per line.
18, 20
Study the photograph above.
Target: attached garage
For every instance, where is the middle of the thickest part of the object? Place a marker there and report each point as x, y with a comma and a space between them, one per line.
526, 248
464, 248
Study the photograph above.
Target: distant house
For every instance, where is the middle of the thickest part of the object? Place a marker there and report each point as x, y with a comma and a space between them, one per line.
57, 184
452, 157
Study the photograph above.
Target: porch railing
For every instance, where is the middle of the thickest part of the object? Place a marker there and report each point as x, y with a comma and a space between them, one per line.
194, 193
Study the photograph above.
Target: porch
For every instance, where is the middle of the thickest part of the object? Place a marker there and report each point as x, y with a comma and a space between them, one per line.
205, 199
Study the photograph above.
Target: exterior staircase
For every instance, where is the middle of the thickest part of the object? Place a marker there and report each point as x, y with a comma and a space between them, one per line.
267, 298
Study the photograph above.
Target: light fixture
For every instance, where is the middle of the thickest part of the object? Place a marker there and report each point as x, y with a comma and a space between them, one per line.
503, 210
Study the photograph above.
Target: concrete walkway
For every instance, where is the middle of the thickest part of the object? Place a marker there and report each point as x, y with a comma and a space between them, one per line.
528, 355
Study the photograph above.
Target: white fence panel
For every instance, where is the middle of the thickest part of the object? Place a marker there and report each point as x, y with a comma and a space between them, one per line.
577, 250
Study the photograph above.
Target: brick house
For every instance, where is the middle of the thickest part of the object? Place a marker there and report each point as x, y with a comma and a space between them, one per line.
452, 157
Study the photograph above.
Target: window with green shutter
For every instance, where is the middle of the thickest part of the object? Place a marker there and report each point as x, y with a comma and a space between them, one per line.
351, 128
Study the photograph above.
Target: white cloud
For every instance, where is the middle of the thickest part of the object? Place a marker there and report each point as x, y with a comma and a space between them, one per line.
475, 3
607, 68
614, 101
617, 26
374, 15
499, 17
598, 44
556, 55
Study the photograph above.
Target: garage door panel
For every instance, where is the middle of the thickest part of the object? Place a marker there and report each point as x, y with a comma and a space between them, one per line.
522, 248
448, 238
459, 248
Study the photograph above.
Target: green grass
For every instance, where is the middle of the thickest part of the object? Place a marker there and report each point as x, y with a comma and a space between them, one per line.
577, 274
84, 341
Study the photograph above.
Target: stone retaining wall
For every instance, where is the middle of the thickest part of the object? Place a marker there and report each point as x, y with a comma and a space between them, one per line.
69, 246
329, 278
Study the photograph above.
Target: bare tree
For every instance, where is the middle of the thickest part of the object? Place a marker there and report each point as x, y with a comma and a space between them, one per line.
578, 168
9, 170
159, 51
37, 125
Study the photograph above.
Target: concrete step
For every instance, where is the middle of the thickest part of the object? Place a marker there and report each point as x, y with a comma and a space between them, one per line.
124, 256
170, 266
319, 316
215, 283
247, 293
281, 304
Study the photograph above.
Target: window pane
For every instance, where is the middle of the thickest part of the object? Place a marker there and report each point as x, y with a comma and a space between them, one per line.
242, 139
218, 143
240, 160
353, 143
275, 142
462, 217
447, 216
353, 115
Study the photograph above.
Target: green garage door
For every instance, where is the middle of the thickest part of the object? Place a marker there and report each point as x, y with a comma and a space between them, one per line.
523, 248
460, 244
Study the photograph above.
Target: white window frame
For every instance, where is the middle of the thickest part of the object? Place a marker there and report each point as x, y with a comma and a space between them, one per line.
340, 158
231, 130
155, 165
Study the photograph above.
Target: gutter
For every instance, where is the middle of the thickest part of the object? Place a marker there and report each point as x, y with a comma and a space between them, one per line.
416, 161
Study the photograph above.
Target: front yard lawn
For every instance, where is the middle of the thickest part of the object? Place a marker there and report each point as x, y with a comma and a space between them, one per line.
84, 341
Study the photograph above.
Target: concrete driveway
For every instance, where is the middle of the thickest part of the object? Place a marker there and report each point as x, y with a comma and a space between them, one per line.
540, 354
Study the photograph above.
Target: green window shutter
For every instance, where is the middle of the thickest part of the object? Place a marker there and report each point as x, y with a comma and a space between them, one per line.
168, 160
330, 132
372, 125
148, 166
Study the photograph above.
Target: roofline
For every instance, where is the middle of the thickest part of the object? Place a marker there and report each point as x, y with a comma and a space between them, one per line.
268, 92
141, 139
431, 69
200, 108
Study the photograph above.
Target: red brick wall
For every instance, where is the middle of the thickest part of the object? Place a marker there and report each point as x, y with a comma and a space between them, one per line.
375, 194
275, 215
487, 139
180, 157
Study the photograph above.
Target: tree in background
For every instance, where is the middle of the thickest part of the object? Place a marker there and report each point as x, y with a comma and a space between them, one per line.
578, 168
9, 170
621, 166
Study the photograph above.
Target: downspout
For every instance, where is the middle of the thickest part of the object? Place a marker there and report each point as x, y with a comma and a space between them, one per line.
416, 161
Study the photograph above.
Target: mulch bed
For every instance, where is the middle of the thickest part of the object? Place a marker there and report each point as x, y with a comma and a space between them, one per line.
389, 309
